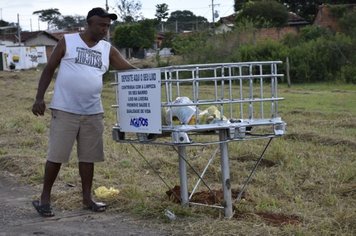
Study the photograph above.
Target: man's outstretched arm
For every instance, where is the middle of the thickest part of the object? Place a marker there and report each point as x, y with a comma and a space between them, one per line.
118, 61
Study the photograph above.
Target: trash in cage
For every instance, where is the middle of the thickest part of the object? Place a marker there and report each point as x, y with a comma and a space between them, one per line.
183, 113
211, 115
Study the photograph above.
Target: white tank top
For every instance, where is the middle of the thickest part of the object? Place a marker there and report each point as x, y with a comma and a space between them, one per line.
79, 82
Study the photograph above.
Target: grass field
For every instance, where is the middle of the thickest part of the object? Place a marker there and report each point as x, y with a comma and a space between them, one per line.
308, 176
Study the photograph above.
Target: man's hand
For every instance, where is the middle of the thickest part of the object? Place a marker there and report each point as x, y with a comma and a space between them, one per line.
39, 107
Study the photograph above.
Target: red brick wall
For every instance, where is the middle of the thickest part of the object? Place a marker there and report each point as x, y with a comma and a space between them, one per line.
275, 33
267, 33
325, 19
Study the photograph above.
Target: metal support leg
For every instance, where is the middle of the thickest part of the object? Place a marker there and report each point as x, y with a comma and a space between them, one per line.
225, 170
183, 175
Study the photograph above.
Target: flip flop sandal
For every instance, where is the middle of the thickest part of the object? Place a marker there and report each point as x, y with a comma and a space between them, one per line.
96, 207
44, 210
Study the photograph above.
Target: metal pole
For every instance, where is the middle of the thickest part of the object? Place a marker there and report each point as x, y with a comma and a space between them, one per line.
18, 29
183, 176
225, 172
212, 11
108, 33
213, 17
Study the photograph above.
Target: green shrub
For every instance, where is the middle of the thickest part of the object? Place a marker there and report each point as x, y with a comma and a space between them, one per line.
320, 59
190, 46
348, 74
306, 34
268, 50
315, 54
348, 23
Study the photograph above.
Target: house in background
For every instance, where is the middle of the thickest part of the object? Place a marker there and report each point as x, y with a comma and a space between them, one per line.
31, 39
294, 23
40, 38
26, 51
292, 26
226, 24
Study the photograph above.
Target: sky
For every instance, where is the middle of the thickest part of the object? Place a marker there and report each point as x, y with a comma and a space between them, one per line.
9, 9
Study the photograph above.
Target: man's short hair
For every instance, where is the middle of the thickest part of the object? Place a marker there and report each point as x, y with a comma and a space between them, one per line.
98, 11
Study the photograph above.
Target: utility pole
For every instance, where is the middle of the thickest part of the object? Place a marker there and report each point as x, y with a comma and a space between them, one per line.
31, 24
18, 29
107, 9
213, 13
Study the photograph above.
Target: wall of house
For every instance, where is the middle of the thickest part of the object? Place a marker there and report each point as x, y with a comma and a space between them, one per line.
267, 33
22, 57
275, 33
42, 40
325, 19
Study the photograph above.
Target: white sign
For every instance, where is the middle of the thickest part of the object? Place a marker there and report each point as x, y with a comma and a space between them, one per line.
140, 101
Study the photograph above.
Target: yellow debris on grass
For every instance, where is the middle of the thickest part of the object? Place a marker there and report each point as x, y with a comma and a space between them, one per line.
106, 193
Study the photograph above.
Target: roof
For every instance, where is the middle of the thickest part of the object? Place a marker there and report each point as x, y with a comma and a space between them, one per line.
294, 19
25, 36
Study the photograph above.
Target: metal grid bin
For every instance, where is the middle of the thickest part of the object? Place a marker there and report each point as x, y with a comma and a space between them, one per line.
226, 101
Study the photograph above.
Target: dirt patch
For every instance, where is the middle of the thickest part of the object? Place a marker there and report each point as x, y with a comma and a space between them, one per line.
18, 217
275, 219
18, 164
217, 197
204, 197
347, 190
307, 113
10, 76
317, 139
248, 158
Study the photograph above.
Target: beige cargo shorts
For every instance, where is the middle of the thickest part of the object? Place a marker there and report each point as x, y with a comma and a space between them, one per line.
66, 128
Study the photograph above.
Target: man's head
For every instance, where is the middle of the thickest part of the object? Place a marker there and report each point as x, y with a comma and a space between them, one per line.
98, 11
99, 22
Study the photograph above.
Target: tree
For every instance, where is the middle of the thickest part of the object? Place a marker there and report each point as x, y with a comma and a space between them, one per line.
7, 27
276, 15
348, 23
48, 15
304, 8
136, 35
309, 8
161, 14
129, 10
69, 22
186, 20
239, 4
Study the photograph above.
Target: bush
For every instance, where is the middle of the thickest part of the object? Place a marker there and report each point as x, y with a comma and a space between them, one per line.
320, 59
348, 74
135, 35
268, 50
306, 34
316, 54
348, 23
190, 46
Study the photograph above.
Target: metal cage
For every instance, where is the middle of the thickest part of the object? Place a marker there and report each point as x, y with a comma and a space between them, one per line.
244, 99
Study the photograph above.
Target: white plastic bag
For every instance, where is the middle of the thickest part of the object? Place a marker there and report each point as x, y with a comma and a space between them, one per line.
183, 113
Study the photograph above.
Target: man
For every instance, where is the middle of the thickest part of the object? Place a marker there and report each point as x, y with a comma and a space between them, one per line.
77, 112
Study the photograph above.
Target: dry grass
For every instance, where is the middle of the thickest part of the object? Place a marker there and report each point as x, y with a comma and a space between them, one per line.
308, 177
